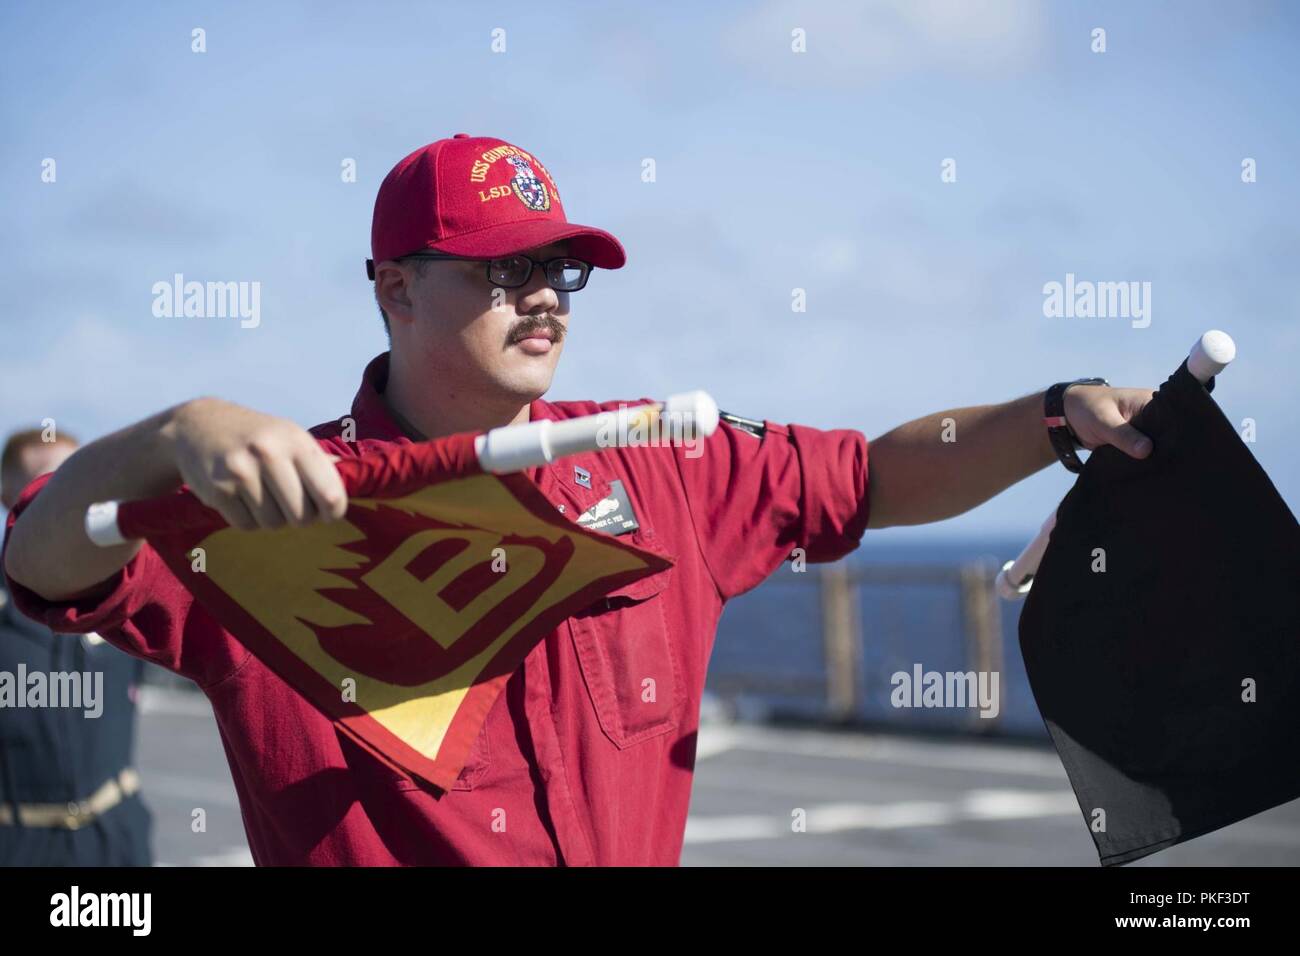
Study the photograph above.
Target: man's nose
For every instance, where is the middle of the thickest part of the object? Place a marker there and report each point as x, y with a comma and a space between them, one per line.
537, 296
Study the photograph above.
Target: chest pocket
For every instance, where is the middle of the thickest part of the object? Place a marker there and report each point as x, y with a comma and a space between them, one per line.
627, 660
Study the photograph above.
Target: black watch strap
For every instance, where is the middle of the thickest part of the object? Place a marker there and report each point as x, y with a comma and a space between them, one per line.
1064, 440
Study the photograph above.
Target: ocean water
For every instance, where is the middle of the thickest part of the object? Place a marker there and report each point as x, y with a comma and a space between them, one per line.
769, 660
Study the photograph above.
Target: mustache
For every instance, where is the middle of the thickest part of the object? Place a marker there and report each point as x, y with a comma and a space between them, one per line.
530, 325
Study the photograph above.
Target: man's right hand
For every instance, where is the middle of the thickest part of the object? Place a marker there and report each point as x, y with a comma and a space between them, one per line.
257, 470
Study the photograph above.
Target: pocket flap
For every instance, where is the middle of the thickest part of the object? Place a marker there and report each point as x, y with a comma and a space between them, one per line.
643, 588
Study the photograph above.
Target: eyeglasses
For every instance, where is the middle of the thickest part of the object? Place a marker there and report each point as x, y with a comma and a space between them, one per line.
563, 274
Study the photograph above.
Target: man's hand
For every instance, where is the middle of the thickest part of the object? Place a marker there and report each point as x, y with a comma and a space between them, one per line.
1100, 416
257, 470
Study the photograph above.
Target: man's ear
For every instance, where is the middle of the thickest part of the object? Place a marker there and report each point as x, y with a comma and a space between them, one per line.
392, 290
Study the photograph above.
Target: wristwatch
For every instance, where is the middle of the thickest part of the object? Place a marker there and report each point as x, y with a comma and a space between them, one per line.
1064, 440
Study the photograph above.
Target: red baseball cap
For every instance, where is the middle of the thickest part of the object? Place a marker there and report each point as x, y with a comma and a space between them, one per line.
479, 197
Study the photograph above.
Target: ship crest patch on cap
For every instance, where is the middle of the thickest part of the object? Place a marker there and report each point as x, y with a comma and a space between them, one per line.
531, 191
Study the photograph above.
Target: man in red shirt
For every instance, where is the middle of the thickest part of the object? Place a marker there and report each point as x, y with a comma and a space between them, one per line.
587, 755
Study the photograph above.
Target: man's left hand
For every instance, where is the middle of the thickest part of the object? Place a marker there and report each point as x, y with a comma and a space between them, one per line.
1101, 416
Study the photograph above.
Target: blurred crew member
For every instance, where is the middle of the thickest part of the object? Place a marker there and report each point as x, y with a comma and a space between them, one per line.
68, 791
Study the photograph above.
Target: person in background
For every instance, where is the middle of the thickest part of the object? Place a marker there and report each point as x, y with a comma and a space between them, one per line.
68, 790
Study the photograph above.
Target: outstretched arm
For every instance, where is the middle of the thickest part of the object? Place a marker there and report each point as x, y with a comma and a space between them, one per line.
944, 464
255, 469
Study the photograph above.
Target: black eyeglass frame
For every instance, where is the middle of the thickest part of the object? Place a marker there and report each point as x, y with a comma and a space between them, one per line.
532, 264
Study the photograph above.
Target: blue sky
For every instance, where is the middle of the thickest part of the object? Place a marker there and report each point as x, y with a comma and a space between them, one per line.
775, 171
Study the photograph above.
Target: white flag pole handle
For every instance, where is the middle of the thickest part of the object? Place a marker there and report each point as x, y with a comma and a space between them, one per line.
1016, 577
101, 524
681, 418
1209, 356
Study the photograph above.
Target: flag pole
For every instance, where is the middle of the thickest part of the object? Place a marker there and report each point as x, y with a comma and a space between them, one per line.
682, 417
685, 417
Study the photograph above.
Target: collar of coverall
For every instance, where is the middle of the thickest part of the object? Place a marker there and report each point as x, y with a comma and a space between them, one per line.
373, 417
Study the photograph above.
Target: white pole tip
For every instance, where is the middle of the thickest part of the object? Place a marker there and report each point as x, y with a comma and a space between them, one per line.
698, 407
1210, 355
